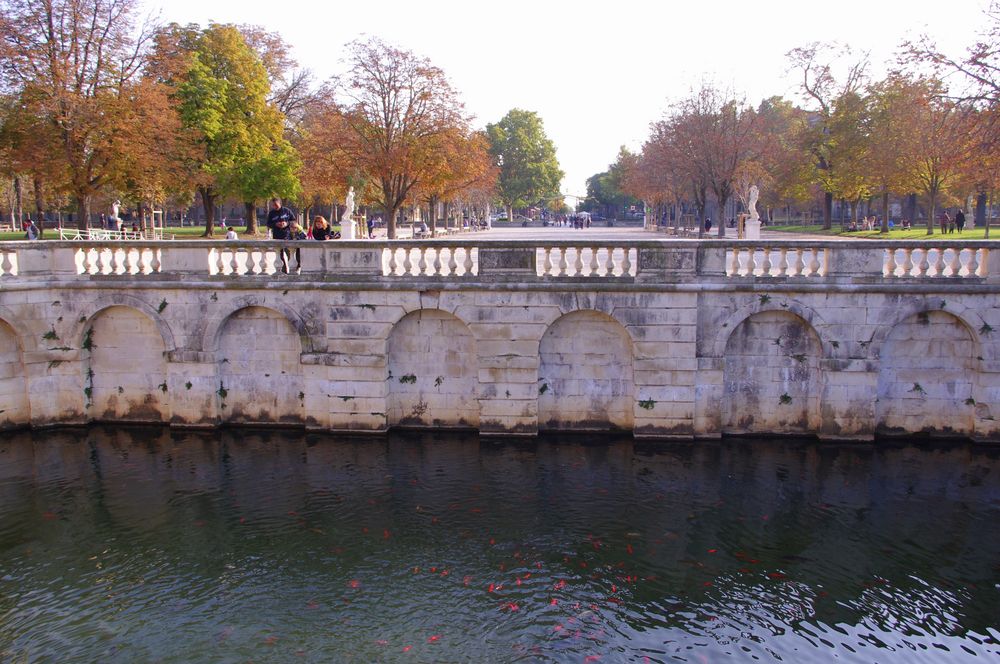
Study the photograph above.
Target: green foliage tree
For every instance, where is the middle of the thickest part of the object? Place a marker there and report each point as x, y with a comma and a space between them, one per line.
221, 88
529, 169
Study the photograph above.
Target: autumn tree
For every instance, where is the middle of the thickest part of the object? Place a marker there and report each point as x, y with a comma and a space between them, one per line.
397, 106
74, 64
529, 169
460, 164
820, 85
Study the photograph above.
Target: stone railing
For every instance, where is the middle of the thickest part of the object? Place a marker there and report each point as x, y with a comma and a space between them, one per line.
475, 258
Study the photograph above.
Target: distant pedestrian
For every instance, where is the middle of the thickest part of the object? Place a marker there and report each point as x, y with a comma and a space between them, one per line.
279, 222
231, 234
960, 220
944, 220
708, 224
30, 230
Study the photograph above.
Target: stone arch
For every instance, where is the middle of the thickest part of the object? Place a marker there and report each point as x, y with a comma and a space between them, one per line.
771, 376
909, 310
259, 369
80, 327
927, 376
433, 373
124, 366
15, 408
585, 375
779, 304
211, 336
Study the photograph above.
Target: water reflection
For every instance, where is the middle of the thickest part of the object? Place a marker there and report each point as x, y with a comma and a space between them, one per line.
152, 545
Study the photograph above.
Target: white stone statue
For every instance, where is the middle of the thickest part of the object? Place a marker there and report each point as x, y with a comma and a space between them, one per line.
349, 205
114, 209
752, 205
751, 226
348, 229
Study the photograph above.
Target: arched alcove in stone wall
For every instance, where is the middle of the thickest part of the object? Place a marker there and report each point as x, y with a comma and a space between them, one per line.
14, 405
585, 379
259, 368
433, 373
125, 368
927, 377
771, 377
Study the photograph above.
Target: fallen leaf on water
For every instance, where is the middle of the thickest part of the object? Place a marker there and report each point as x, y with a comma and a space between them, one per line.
628, 549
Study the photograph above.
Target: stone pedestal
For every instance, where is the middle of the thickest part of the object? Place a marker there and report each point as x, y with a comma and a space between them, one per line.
348, 229
751, 229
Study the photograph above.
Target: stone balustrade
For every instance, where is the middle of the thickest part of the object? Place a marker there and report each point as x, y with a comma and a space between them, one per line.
639, 261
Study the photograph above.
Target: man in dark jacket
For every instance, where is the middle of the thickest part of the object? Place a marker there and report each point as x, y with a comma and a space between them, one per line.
960, 220
279, 221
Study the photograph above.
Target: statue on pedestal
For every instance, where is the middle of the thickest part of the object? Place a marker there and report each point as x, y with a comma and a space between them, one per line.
751, 227
348, 230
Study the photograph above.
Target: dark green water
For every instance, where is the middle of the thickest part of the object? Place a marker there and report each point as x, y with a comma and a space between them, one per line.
148, 546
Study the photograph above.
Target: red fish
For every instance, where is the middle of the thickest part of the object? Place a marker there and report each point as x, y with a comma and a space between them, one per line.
713, 550
434, 639
50, 516
628, 549
553, 601
354, 583
466, 580
386, 534
491, 588
407, 648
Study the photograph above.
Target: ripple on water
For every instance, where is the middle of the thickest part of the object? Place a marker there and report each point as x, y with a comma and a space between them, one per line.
148, 545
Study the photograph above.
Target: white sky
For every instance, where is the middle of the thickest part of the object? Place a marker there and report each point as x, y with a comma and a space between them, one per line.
596, 72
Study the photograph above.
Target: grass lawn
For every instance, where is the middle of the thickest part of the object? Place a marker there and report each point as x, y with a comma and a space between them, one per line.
919, 233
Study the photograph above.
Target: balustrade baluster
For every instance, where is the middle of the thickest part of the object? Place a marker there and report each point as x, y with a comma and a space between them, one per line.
765, 266
626, 262
578, 261
814, 263
732, 262
890, 263
6, 265
595, 265
973, 264
253, 267
467, 264
452, 263
955, 266
234, 267
436, 266
542, 269
563, 265
154, 261
220, 265
907, 262
923, 267
783, 262
407, 261
112, 264
798, 262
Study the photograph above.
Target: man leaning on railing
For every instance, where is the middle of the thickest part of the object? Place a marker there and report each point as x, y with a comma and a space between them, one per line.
279, 221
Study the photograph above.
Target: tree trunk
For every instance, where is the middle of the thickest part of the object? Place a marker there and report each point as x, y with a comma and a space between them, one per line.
510, 214
722, 216
827, 210
980, 208
250, 210
885, 212
83, 211
39, 212
390, 223
911, 208
208, 205
18, 200
432, 214
989, 211
932, 217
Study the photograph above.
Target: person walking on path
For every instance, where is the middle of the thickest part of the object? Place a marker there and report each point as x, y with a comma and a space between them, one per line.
943, 221
279, 221
960, 220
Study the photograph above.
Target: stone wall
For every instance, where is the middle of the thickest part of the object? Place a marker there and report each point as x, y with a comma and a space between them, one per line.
665, 342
